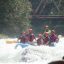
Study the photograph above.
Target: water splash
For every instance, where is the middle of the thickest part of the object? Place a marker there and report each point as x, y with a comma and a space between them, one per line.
31, 54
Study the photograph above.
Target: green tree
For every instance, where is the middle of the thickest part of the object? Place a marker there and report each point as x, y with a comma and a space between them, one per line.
14, 15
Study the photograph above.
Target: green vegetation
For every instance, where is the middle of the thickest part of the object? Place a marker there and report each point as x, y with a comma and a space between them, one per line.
14, 16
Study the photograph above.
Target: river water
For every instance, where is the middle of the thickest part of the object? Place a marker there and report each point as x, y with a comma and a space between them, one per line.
31, 54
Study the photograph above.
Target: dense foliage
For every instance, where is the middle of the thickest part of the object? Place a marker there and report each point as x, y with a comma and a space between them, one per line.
14, 15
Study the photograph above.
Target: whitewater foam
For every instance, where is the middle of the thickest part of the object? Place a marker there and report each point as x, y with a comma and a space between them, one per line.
31, 54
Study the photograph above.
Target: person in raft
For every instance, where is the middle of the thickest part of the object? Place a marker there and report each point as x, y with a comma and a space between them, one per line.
46, 30
30, 36
53, 37
23, 38
46, 38
40, 39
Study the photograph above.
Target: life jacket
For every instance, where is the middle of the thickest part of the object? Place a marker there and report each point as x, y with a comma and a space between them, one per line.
39, 41
23, 38
31, 37
53, 37
46, 39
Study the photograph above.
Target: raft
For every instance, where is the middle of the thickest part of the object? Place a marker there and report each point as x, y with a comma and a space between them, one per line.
10, 41
23, 45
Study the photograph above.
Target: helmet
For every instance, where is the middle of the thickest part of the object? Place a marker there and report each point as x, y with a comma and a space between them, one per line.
46, 26
30, 30
53, 31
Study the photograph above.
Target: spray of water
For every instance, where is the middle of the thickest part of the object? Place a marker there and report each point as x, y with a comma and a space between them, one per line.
31, 54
